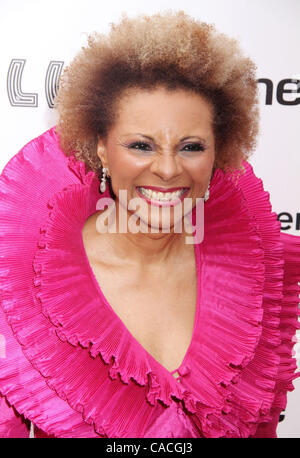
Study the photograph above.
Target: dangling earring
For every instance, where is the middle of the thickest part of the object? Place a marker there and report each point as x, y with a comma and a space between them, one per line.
206, 195
103, 180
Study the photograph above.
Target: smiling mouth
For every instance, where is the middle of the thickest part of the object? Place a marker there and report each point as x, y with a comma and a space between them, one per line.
158, 195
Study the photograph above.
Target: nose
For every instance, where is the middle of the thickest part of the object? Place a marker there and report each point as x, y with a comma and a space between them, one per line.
166, 166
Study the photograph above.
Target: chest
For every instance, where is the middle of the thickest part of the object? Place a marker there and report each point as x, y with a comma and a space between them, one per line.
157, 307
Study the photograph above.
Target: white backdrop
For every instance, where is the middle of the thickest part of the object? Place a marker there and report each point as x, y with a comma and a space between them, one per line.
38, 38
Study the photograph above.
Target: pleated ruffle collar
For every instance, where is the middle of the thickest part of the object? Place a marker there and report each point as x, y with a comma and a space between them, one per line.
87, 357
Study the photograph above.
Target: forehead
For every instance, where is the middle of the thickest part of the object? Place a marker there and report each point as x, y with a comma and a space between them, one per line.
140, 108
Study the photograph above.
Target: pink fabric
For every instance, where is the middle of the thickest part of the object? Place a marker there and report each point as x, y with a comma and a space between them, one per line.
73, 368
12, 424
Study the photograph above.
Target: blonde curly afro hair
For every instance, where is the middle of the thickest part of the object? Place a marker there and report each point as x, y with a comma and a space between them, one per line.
168, 49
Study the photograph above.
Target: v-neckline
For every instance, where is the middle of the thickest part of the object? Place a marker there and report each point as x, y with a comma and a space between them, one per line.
148, 355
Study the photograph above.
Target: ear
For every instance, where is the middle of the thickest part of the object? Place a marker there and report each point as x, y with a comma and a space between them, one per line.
215, 163
102, 154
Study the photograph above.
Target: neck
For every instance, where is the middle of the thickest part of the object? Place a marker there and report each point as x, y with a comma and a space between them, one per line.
145, 248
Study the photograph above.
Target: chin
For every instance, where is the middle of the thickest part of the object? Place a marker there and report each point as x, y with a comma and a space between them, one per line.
158, 225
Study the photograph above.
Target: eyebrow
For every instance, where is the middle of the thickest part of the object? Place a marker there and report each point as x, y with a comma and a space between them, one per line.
181, 140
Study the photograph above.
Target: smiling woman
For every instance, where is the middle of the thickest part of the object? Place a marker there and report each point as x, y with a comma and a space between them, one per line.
135, 332
161, 149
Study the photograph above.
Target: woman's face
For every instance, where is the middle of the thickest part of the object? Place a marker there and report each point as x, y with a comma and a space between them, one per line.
161, 140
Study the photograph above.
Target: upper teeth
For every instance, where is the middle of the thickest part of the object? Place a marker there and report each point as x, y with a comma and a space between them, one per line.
165, 196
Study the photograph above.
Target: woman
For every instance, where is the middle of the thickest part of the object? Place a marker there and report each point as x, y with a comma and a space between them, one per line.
120, 327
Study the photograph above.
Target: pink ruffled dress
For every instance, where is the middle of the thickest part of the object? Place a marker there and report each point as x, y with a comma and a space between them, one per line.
69, 365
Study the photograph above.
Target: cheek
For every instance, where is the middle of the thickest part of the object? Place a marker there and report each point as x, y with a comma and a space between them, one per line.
200, 171
124, 167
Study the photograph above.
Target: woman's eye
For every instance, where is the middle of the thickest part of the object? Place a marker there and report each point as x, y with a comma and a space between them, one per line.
140, 146
193, 147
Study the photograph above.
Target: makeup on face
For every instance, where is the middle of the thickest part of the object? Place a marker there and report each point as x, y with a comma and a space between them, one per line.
161, 147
